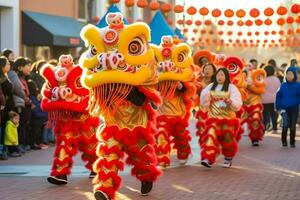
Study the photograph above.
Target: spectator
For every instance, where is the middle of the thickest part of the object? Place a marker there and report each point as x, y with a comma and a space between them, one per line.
9, 54
268, 98
272, 62
38, 117
254, 63
6, 101
53, 62
11, 134
294, 63
287, 102
35, 74
280, 72
22, 66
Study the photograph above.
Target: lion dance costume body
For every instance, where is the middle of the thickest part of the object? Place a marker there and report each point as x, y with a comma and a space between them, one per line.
221, 125
235, 68
119, 70
201, 58
66, 101
177, 88
253, 106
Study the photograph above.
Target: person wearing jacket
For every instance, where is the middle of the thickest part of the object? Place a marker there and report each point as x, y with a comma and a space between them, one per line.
22, 67
11, 134
6, 101
287, 102
272, 84
38, 116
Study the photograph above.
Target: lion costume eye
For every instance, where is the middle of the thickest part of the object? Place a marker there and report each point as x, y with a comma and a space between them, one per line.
181, 57
136, 46
232, 68
93, 50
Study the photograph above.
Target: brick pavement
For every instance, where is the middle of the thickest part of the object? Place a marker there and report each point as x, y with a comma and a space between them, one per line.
268, 172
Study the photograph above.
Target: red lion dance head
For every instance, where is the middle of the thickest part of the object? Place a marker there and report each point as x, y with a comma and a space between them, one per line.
63, 95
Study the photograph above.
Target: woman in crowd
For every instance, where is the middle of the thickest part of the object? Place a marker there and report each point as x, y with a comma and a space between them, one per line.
272, 83
7, 101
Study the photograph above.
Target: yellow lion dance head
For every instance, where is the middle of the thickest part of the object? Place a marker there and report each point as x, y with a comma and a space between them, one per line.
117, 59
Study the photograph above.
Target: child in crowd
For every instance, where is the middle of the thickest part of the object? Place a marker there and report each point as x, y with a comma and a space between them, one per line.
287, 102
11, 135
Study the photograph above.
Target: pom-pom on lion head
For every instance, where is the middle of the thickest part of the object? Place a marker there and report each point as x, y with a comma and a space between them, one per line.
63, 95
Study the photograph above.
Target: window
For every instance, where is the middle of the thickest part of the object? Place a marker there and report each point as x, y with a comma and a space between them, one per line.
82, 9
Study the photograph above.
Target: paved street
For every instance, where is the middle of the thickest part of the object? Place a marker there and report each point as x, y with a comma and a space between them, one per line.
267, 172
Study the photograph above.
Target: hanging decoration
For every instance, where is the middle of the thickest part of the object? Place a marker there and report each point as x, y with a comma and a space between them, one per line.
191, 10
229, 13
178, 9
154, 5
142, 3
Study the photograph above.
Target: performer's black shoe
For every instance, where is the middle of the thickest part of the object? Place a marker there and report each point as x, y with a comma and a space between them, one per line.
206, 163
146, 188
92, 174
58, 180
99, 195
293, 146
255, 143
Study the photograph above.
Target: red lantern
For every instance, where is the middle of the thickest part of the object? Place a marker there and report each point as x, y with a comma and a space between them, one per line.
154, 5
257, 33
189, 22
280, 21
166, 7
298, 31
229, 22
266, 32
198, 23
191, 10
142, 3
274, 32
115, 1
272, 41
244, 41
229, 13
185, 30
258, 22
290, 32
257, 41
251, 41
203, 11
207, 22
216, 13
298, 19
265, 41
281, 32
180, 21
203, 31
249, 34
221, 22
230, 40
290, 20
240, 13
178, 9
229, 33
220, 33
268, 22
281, 10
240, 33
170, 22
268, 12
129, 3
254, 13
295, 8
195, 30
240, 23
249, 23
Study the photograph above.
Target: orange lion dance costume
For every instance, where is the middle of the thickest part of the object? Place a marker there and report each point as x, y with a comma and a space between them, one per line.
223, 100
253, 106
66, 101
202, 59
177, 88
119, 70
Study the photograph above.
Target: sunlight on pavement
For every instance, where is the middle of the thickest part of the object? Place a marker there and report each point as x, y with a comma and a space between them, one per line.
181, 188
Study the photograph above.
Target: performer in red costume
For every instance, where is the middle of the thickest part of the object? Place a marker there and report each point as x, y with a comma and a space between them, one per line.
253, 106
66, 101
222, 100
176, 86
120, 72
